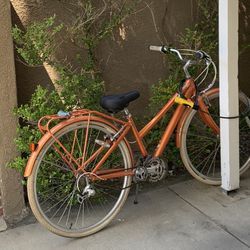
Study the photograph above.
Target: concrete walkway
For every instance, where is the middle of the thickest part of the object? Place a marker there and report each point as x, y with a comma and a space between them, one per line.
186, 215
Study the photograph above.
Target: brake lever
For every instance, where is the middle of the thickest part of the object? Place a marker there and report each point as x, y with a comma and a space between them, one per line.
177, 52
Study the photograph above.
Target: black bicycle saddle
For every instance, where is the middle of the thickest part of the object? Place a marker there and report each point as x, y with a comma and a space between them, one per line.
116, 103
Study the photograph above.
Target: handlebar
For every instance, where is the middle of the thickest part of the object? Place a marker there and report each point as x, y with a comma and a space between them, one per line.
199, 55
164, 49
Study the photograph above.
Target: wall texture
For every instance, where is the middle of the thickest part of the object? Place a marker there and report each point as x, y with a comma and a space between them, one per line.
244, 40
12, 200
125, 61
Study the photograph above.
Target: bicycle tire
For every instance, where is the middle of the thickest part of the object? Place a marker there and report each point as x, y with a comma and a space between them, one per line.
203, 141
37, 196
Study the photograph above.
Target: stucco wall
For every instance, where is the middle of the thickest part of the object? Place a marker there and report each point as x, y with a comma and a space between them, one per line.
244, 40
10, 180
126, 62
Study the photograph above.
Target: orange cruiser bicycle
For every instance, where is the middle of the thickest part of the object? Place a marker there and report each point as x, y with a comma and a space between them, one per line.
80, 172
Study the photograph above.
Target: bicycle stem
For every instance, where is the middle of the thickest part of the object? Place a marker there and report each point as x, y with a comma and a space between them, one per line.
185, 68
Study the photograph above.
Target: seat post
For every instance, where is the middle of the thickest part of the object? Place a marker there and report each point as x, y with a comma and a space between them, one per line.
135, 133
127, 113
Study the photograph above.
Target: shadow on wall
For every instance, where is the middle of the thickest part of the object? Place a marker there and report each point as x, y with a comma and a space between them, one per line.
25, 12
124, 59
28, 78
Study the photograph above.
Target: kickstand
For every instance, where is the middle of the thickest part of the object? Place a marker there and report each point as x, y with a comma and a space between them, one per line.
136, 193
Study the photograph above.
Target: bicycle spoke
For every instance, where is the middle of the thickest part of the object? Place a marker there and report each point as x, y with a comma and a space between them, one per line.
197, 152
62, 200
215, 151
56, 165
110, 195
83, 213
55, 187
206, 160
64, 211
63, 197
213, 160
78, 213
201, 150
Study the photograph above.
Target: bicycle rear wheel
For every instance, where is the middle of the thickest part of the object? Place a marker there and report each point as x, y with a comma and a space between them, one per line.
57, 197
200, 146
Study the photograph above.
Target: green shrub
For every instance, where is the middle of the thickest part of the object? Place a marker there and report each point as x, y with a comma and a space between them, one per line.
202, 35
81, 87
37, 43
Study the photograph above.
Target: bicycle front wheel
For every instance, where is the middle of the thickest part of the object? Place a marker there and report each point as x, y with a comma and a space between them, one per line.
200, 146
72, 205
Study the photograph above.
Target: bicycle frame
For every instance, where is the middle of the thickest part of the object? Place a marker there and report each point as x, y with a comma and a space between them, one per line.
126, 126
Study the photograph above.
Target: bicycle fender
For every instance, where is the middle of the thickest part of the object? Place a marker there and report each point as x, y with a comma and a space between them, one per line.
179, 128
47, 136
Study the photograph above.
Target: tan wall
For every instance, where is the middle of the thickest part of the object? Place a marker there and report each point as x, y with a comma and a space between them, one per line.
10, 180
244, 40
126, 63
25, 12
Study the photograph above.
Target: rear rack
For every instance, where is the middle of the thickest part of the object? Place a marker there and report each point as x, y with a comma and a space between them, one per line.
46, 123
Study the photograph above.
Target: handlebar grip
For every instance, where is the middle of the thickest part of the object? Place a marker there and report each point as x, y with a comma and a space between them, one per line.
155, 48
163, 49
